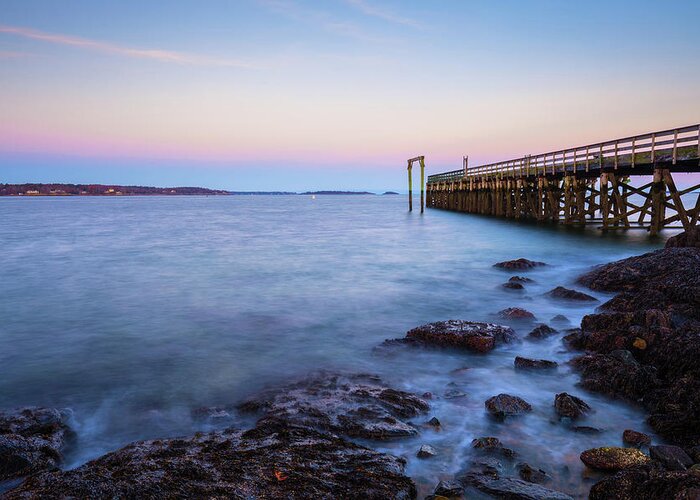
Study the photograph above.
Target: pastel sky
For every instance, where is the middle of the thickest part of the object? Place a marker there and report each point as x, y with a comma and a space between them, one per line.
334, 94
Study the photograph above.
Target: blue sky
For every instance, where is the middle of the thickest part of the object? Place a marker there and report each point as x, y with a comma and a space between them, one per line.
293, 95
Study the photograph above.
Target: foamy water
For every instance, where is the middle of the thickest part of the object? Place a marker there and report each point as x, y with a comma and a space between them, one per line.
133, 311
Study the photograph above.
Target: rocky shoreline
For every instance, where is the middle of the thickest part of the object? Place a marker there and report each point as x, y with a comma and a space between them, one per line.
316, 437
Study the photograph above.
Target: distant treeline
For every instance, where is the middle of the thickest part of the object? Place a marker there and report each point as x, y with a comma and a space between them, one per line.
261, 193
337, 192
117, 190
98, 190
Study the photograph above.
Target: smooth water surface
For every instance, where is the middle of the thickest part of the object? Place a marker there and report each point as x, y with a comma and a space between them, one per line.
133, 311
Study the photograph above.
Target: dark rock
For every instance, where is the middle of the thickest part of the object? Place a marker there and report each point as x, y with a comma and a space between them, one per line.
505, 405
689, 238
426, 451
485, 464
656, 318
273, 460
519, 279
459, 334
671, 457
635, 438
541, 331
513, 285
486, 442
608, 375
434, 422
655, 280
560, 319
532, 475
31, 440
586, 429
454, 394
460, 371
565, 293
510, 488
613, 458
519, 264
526, 363
352, 405
449, 489
625, 357
570, 406
492, 445
647, 482
694, 453
574, 338
516, 313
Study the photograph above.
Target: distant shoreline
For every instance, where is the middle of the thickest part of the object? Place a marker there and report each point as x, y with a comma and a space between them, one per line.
35, 190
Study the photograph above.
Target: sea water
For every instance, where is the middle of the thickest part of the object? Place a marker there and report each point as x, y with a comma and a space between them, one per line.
132, 311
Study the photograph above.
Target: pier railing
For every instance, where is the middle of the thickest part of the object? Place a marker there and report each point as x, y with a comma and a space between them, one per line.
667, 146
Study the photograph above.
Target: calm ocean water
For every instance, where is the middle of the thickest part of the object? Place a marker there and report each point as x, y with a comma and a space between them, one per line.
133, 311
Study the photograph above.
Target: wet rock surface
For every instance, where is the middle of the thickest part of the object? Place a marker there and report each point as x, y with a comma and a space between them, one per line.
534, 364
671, 457
492, 445
560, 319
567, 294
520, 279
570, 406
449, 489
511, 488
353, 405
645, 342
516, 313
650, 482
505, 405
635, 438
513, 285
586, 429
531, 474
689, 238
541, 332
613, 458
458, 334
273, 460
426, 451
519, 264
31, 440
434, 422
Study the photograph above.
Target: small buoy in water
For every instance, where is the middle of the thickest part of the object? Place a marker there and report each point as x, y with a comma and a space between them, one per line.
313, 196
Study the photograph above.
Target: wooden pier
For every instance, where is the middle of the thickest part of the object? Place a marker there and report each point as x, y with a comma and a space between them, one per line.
584, 185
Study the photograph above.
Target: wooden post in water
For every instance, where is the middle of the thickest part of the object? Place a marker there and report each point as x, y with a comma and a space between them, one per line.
410, 187
422, 181
421, 161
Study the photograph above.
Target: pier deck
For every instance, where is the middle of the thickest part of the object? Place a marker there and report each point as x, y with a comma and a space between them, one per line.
583, 185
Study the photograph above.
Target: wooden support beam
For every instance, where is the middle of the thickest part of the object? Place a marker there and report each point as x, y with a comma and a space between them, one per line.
604, 202
677, 201
422, 181
658, 211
